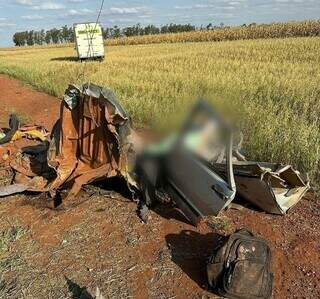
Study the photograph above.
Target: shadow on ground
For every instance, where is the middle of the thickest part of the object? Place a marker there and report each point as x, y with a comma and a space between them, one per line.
169, 211
76, 291
190, 250
68, 58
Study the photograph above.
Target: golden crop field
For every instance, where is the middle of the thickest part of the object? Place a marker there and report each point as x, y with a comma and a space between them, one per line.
272, 83
275, 30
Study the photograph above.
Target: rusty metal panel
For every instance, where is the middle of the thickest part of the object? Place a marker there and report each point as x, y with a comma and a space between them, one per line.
88, 143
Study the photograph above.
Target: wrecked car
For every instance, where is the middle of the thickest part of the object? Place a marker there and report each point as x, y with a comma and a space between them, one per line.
91, 140
198, 168
274, 188
203, 172
181, 168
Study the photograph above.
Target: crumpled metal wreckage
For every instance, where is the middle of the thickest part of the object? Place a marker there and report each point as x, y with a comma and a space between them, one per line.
92, 139
274, 188
179, 169
199, 168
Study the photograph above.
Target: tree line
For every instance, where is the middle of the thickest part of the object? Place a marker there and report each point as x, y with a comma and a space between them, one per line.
66, 34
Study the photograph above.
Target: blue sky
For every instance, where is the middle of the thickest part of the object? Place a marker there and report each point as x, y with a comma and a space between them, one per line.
20, 15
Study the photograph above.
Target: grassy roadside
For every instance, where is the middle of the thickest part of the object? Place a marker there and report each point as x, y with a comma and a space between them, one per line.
272, 83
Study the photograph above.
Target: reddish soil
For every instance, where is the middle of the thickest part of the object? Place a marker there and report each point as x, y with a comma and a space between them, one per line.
38, 107
99, 241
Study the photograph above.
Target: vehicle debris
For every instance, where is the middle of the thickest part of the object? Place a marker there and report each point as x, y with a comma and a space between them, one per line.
274, 188
202, 172
6, 135
199, 168
33, 132
181, 169
93, 139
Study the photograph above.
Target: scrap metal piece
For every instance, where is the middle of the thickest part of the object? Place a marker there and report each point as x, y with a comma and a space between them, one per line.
196, 187
7, 152
198, 168
30, 134
12, 189
179, 166
274, 188
92, 139
13, 125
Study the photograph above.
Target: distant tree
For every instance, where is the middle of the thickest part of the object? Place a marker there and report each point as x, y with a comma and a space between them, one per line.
164, 29
42, 36
47, 37
116, 32
128, 31
106, 32
37, 38
64, 34
151, 29
71, 38
19, 39
55, 35
209, 26
30, 38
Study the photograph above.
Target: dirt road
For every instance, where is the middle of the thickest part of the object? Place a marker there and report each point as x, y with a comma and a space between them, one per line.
98, 241
29, 104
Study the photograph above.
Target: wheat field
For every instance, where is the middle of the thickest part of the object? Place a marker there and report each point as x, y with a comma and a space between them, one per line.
272, 84
309, 28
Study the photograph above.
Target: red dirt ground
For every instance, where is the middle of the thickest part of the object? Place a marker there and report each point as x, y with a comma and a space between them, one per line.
37, 106
99, 241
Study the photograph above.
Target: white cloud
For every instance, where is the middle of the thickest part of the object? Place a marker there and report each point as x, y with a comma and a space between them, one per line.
75, 1
121, 20
48, 6
80, 12
4, 25
183, 7
24, 2
126, 10
33, 17
196, 6
214, 4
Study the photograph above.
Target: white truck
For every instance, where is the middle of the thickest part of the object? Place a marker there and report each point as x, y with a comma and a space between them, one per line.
89, 41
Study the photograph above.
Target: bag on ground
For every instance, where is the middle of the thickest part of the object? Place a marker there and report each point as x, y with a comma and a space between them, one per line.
241, 268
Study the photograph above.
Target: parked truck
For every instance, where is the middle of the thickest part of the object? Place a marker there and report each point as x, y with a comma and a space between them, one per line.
89, 41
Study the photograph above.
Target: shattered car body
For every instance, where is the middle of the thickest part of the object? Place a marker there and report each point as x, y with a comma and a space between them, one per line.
93, 139
22, 167
199, 168
273, 188
202, 173
185, 175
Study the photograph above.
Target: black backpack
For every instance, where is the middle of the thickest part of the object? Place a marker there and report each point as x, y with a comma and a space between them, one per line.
241, 268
